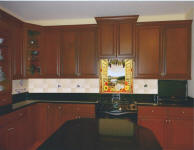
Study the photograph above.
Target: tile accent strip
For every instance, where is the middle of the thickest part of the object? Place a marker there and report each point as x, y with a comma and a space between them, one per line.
141, 86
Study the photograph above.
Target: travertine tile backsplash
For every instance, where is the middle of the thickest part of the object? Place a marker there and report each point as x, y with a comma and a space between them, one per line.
140, 86
19, 86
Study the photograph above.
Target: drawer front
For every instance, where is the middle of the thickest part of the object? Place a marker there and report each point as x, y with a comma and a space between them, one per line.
85, 108
5, 99
152, 111
14, 116
181, 113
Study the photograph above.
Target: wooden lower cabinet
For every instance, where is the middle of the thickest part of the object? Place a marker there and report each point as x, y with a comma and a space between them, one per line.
180, 135
174, 130
14, 134
157, 127
29, 127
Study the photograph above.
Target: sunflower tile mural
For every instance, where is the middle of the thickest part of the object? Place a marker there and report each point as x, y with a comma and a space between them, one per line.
116, 76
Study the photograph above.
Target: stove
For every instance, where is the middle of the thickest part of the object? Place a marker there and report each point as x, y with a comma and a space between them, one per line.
117, 109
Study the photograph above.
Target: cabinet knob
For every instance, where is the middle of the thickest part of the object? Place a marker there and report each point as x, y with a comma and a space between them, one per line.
166, 121
152, 110
59, 107
183, 112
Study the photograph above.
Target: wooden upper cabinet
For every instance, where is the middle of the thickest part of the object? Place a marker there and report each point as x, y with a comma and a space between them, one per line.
88, 62
106, 39
148, 52
163, 50
116, 36
17, 38
50, 56
78, 54
69, 54
32, 50
177, 50
126, 39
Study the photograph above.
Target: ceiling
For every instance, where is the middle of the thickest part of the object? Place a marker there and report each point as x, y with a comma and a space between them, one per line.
52, 10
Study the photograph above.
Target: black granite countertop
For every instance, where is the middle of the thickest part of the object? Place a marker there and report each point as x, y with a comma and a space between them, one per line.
101, 134
19, 105
24, 103
168, 103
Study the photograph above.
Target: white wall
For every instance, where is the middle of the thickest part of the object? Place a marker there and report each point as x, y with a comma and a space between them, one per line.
191, 82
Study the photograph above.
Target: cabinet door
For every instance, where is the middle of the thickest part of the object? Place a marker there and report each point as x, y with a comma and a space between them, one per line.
107, 40
3, 138
68, 113
50, 57
177, 51
60, 111
88, 62
156, 126
180, 134
17, 131
17, 53
125, 46
69, 54
148, 52
51, 119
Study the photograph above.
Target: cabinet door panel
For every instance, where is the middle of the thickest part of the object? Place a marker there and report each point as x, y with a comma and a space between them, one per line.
3, 138
148, 52
177, 52
180, 134
156, 126
52, 119
50, 55
88, 54
17, 52
69, 55
107, 41
125, 42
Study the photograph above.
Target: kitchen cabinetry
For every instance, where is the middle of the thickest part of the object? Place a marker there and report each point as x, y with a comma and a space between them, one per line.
177, 50
14, 131
69, 55
15, 29
57, 114
79, 51
5, 67
32, 50
148, 60
87, 54
173, 126
54, 117
163, 50
83, 111
116, 36
17, 51
50, 56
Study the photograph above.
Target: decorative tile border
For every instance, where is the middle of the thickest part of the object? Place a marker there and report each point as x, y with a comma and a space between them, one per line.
19, 86
140, 86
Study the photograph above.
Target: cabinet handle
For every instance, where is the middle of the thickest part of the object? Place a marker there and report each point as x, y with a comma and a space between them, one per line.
48, 106
169, 121
166, 121
10, 129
